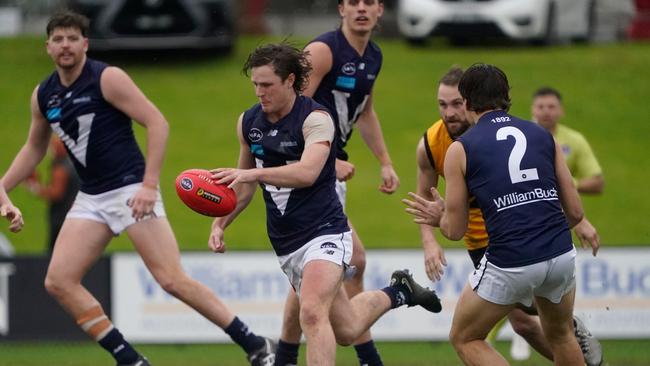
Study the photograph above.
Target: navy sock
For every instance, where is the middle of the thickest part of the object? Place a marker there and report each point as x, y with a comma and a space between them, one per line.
367, 354
120, 349
246, 339
286, 354
397, 296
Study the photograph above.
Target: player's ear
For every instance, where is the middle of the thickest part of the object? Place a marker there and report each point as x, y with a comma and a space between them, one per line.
291, 79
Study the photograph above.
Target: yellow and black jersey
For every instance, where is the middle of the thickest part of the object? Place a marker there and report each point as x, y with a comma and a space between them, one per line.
436, 143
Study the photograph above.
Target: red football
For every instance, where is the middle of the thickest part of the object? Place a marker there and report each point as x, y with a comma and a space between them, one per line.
202, 194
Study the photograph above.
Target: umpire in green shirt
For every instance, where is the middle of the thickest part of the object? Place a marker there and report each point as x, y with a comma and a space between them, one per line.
547, 111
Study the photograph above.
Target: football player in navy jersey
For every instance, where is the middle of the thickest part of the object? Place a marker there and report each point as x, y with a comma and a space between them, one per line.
516, 171
286, 147
90, 106
346, 64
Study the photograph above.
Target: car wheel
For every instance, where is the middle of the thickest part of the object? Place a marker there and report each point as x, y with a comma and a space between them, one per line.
417, 41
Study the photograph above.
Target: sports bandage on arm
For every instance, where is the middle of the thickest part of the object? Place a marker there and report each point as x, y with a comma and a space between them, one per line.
318, 127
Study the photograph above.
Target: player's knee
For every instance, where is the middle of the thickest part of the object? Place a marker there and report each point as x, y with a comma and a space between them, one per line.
455, 338
525, 328
312, 316
55, 286
345, 336
171, 283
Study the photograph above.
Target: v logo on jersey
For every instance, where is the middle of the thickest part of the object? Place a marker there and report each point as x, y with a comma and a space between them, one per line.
78, 148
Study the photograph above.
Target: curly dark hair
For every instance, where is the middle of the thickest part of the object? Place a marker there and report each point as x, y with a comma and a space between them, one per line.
485, 87
285, 59
68, 19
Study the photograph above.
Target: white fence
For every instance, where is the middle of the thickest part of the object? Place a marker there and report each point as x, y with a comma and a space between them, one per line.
613, 295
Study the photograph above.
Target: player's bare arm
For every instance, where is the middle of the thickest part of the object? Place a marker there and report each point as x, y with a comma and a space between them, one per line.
569, 197
434, 256
302, 173
33, 151
119, 90
591, 185
320, 56
453, 223
370, 130
245, 192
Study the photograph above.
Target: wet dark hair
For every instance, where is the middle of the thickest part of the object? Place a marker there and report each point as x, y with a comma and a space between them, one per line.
544, 91
285, 59
68, 19
452, 77
485, 87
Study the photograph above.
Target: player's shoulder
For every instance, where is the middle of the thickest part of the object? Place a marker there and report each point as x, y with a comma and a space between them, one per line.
568, 135
374, 47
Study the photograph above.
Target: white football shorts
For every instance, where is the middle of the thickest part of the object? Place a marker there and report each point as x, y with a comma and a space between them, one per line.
336, 248
551, 279
111, 208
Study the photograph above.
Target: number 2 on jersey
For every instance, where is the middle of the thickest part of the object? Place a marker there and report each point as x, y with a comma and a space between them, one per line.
517, 175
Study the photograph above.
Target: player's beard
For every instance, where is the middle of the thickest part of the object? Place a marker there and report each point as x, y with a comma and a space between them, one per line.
456, 132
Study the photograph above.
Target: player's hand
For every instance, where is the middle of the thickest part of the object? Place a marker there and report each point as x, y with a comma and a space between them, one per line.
142, 202
215, 242
426, 212
434, 260
12, 213
231, 176
587, 234
344, 170
390, 180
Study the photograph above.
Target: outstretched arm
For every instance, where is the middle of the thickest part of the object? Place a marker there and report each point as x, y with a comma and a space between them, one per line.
434, 256
370, 130
24, 163
245, 192
453, 223
32, 151
119, 90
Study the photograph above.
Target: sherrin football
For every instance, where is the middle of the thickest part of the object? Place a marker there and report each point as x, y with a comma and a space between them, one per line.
202, 194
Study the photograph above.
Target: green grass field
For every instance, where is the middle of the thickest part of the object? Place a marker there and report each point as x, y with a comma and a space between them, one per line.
605, 87
617, 353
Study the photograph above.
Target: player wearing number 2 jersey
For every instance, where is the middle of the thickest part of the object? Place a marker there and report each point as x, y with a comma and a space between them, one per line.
516, 171
90, 105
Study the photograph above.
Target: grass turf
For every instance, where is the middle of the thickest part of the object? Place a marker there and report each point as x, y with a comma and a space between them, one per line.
605, 90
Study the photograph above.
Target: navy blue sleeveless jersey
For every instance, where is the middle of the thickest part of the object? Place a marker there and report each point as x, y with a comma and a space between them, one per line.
511, 172
99, 138
294, 216
345, 89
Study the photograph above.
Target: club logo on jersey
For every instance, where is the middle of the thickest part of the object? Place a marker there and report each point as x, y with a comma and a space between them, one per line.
186, 184
54, 101
328, 245
255, 134
349, 68
208, 195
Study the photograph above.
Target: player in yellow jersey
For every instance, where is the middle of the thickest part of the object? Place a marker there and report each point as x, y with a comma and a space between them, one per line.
431, 152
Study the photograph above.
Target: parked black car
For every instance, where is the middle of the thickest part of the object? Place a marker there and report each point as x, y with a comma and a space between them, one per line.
158, 24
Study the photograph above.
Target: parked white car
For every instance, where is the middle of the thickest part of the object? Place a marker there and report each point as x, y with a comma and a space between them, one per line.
542, 21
